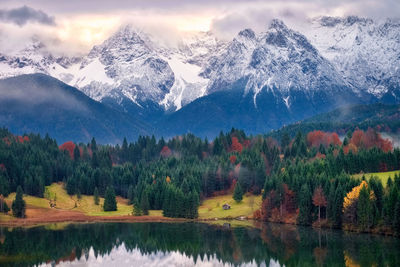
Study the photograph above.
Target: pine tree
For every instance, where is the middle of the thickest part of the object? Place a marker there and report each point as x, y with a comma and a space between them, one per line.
389, 182
330, 210
93, 145
396, 221
144, 203
238, 193
305, 206
77, 153
3, 205
338, 207
131, 194
377, 188
18, 205
285, 140
364, 209
96, 196
194, 205
136, 208
110, 204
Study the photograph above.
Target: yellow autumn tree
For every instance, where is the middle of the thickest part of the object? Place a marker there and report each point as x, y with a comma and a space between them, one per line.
350, 202
168, 179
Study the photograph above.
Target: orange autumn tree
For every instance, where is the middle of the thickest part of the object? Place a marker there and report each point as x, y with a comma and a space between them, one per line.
317, 138
370, 139
319, 200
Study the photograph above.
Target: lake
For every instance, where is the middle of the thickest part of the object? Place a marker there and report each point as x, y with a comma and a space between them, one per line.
189, 244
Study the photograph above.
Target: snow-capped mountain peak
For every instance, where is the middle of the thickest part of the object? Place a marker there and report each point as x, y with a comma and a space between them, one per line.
324, 54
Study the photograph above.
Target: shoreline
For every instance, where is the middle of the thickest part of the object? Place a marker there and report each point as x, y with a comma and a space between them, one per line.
82, 218
21, 222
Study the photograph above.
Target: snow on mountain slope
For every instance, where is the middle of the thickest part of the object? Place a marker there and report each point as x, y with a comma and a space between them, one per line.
358, 54
188, 85
33, 58
186, 61
130, 64
277, 60
367, 53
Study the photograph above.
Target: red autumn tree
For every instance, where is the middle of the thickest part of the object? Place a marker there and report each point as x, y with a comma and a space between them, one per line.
232, 159
357, 138
314, 139
319, 200
236, 145
165, 152
289, 202
317, 138
69, 146
350, 147
266, 207
369, 139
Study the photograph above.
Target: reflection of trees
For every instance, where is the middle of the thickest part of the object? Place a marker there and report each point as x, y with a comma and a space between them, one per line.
287, 244
299, 246
37, 245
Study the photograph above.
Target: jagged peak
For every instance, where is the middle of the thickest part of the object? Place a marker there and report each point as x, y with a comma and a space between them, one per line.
278, 24
247, 33
129, 33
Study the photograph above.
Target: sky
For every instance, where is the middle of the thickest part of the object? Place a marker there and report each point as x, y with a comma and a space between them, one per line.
72, 27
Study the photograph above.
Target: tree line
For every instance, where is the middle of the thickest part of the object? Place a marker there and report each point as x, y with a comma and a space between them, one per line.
176, 174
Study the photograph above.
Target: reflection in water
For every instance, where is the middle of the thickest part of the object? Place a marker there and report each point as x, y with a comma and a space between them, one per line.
121, 256
188, 244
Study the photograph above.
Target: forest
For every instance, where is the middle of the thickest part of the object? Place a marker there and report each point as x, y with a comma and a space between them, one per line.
305, 179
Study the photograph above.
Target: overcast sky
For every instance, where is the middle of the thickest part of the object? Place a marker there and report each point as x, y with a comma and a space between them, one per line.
74, 26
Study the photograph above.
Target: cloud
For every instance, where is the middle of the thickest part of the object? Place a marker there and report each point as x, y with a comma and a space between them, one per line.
23, 15
82, 24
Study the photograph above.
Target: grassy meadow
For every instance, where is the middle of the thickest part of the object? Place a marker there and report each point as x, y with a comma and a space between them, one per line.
383, 176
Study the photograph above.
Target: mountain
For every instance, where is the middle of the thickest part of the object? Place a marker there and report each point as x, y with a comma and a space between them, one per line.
262, 82
365, 52
128, 70
256, 81
42, 104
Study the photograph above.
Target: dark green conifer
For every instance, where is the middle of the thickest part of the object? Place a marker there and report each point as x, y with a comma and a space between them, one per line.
110, 203
18, 205
238, 193
96, 196
305, 206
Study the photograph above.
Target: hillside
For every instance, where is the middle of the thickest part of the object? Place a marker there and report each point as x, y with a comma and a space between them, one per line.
385, 118
42, 104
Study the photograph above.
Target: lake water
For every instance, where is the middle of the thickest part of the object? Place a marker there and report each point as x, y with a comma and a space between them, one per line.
189, 244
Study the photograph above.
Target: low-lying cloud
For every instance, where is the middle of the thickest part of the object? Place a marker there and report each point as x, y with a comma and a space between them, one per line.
83, 24
23, 15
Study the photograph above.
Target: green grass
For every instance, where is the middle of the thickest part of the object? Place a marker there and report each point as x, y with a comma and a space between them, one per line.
209, 209
30, 200
155, 213
86, 203
66, 202
5, 217
212, 207
383, 176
